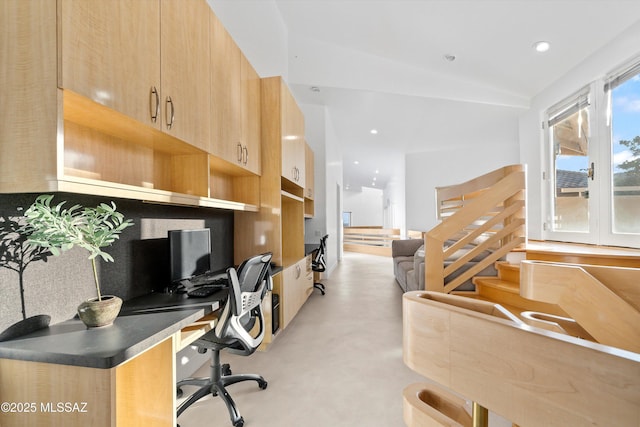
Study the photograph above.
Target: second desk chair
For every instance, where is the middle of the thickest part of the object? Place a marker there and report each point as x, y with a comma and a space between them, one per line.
319, 263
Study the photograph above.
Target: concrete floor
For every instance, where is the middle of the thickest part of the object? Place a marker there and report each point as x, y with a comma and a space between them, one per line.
338, 363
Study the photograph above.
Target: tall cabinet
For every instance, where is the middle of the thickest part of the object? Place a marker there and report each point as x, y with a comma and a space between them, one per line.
278, 227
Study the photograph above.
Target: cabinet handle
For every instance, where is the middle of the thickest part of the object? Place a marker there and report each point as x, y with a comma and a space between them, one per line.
239, 152
298, 271
154, 111
170, 112
245, 150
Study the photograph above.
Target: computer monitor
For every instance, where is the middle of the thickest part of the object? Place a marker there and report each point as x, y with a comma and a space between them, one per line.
189, 253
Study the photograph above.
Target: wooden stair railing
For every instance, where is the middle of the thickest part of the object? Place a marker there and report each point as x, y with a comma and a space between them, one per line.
370, 240
530, 376
487, 212
603, 300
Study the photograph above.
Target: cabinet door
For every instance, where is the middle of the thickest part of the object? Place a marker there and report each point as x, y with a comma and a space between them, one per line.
185, 70
292, 139
251, 117
225, 95
110, 53
297, 284
308, 172
289, 302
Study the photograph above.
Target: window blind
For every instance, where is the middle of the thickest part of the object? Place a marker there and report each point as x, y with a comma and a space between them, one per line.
568, 107
622, 75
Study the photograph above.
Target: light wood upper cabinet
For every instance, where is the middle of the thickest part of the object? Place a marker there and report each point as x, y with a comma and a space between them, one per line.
235, 102
251, 116
225, 94
185, 66
292, 139
145, 59
75, 103
309, 180
110, 53
308, 172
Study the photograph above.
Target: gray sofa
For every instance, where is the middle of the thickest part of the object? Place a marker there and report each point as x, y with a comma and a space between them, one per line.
408, 264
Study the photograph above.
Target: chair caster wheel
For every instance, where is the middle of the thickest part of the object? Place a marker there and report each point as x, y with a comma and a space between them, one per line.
263, 385
179, 393
239, 423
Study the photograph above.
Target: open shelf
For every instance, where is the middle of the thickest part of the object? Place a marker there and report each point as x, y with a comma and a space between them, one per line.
107, 153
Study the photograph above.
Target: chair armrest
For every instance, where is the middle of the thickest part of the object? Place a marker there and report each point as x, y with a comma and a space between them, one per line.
405, 247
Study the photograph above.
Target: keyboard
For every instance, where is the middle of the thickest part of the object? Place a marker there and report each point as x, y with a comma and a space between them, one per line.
203, 291
208, 289
208, 279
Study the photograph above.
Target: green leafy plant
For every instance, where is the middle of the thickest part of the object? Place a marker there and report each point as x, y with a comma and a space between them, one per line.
59, 229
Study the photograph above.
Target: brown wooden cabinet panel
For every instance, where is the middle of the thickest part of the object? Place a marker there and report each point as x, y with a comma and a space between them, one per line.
251, 116
110, 53
292, 139
77, 103
103, 397
235, 102
185, 66
297, 285
225, 94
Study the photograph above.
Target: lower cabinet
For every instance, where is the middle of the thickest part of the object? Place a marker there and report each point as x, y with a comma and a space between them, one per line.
138, 392
296, 286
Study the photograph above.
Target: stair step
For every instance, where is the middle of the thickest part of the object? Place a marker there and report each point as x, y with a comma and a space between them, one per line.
497, 283
507, 294
509, 272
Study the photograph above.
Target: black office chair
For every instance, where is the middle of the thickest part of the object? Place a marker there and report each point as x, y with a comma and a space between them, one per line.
318, 263
240, 330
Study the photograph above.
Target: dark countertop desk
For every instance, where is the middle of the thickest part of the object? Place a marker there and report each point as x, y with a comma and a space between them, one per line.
143, 322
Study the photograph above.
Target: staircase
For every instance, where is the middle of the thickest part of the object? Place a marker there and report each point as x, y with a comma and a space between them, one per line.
504, 289
553, 338
482, 221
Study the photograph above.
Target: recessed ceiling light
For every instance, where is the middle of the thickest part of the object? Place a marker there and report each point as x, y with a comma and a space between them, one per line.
374, 131
541, 46
377, 171
355, 162
449, 57
373, 183
374, 178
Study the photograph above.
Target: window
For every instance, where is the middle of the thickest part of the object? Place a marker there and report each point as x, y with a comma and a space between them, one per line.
623, 116
593, 175
569, 134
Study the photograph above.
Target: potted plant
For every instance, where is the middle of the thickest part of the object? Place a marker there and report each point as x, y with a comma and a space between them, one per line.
59, 229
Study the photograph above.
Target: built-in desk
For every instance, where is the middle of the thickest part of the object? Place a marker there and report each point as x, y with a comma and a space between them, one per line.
120, 375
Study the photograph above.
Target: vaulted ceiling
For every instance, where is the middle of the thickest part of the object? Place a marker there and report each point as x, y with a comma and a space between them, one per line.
382, 64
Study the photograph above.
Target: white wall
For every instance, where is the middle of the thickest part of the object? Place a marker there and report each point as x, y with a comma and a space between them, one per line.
365, 206
333, 199
618, 51
428, 170
394, 209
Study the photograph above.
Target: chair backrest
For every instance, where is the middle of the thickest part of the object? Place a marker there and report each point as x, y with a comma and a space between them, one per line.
319, 263
242, 321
